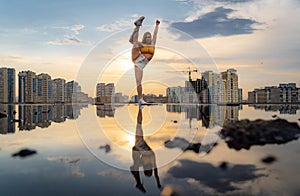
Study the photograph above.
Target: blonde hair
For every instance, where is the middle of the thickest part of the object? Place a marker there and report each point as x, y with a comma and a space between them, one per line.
144, 37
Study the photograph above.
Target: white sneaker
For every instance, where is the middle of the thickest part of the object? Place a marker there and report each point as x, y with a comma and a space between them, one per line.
139, 21
142, 102
141, 106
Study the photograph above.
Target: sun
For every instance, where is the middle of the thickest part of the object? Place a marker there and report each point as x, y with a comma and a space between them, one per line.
130, 139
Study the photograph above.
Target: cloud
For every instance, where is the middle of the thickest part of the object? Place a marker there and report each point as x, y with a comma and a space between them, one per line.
76, 28
233, 1
117, 25
72, 162
70, 36
69, 40
221, 181
216, 23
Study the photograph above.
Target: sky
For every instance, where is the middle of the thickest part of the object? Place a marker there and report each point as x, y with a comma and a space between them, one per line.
87, 40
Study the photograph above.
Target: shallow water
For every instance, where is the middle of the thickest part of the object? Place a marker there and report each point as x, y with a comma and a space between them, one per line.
88, 150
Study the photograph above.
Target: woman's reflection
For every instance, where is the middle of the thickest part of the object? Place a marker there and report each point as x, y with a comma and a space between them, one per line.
143, 156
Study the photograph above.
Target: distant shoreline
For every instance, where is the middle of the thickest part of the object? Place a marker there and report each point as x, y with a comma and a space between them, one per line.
220, 104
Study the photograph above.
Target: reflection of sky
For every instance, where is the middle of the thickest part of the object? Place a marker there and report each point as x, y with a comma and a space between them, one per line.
64, 162
212, 176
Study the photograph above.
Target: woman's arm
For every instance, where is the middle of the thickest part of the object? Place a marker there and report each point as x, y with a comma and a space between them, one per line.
155, 32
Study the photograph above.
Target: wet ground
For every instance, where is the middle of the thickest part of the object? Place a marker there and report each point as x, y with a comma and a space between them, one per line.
190, 150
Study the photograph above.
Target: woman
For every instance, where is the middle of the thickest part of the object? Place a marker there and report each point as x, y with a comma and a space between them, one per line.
142, 53
143, 156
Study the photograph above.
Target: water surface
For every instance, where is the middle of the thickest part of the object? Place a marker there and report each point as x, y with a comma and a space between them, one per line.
88, 150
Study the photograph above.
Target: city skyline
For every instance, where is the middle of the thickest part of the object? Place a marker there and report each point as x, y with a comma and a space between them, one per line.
220, 88
258, 38
29, 87
32, 87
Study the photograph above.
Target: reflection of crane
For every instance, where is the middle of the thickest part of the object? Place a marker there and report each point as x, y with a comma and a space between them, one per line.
190, 72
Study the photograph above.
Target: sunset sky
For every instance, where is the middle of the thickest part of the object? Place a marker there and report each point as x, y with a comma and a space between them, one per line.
88, 40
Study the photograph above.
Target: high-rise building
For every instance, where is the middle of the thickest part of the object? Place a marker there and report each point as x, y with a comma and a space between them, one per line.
44, 87
52, 91
100, 89
284, 93
109, 89
60, 89
28, 87
72, 89
175, 94
215, 86
7, 85
289, 92
230, 78
240, 95
105, 93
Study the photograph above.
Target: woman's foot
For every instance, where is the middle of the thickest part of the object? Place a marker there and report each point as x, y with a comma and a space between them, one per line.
142, 102
139, 21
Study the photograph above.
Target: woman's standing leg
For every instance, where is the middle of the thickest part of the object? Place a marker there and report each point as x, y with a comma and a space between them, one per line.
138, 78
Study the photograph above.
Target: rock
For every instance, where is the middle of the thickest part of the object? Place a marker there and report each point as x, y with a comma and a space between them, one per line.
223, 165
245, 133
184, 145
106, 147
24, 153
268, 159
2, 115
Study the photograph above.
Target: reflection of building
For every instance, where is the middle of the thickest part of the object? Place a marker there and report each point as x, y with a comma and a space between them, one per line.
105, 111
283, 109
7, 124
231, 113
32, 116
284, 93
28, 118
72, 111
210, 115
59, 113
7, 85
44, 116
174, 108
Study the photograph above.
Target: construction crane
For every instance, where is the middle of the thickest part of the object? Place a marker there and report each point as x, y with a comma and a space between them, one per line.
190, 72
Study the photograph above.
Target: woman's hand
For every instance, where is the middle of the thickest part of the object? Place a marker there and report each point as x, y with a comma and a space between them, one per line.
157, 22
